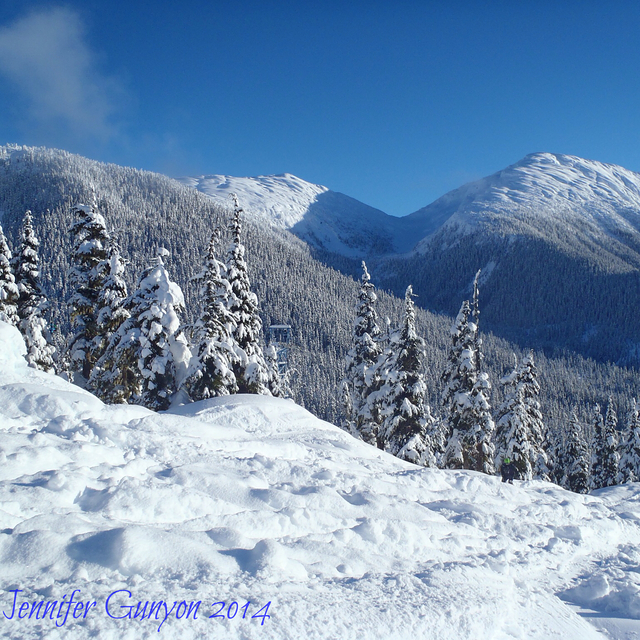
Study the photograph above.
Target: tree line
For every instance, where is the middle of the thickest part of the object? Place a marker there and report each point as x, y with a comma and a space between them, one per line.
134, 347
384, 395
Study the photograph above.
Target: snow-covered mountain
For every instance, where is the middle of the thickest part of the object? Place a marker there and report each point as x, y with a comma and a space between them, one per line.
324, 219
242, 502
557, 237
598, 200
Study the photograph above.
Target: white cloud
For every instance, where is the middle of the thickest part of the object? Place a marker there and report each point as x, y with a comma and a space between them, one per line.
46, 56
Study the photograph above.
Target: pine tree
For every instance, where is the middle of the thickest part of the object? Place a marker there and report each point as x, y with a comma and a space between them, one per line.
576, 456
90, 268
406, 417
8, 288
597, 440
605, 449
466, 397
630, 448
251, 369
149, 351
278, 384
215, 350
360, 377
555, 455
32, 302
104, 380
519, 427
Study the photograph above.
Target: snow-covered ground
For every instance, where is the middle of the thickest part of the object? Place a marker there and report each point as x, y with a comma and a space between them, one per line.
253, 500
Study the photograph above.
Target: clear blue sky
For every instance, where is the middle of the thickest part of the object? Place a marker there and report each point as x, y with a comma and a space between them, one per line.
392, 103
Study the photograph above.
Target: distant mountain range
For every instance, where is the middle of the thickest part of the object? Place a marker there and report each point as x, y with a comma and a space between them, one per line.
557, 238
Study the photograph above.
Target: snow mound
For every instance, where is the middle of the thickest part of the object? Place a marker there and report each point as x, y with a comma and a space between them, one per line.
248, 499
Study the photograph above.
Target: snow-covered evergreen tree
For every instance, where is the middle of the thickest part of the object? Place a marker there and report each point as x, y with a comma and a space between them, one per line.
556, 447
597, 423
150, 353
32, 302
604, 452
89, 269
519, 427
576, 457
360, 377
406, 416
8, 288
466, 397
278, 384
111, 314
629, 470
250, 370
215, 351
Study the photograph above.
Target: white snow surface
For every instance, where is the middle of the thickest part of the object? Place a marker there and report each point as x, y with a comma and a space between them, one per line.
252, 499
604, 197
597, 198
325, 219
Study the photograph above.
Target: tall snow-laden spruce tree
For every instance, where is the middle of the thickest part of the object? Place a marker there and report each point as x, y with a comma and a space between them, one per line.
104, 380
519, 427
87, 274
605, 450
32, 302
406, 416
251, 370
597, 423
360, 377
150, 353
576, 458
215, 351
8, 289
466, 396
629, 469
555, 455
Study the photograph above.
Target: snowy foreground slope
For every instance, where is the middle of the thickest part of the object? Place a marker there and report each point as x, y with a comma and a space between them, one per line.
252, 499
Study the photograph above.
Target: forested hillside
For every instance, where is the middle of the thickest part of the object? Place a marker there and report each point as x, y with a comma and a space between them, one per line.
148, 211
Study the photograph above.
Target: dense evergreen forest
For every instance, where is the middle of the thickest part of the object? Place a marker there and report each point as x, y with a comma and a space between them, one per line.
147, 212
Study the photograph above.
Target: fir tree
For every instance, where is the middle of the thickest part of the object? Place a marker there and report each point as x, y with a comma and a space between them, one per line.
607, 458
278, 384
251, 369
630, 448
555, 451
32, 302
360, 377
87, 275
596, 442
215, 350
406, 417
8, 288
576, 456
104, 380
466, 397
519, 427
149, 351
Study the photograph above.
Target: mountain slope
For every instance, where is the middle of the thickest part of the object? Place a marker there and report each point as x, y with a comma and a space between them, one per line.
149, 211
557, 237
324, 219
252, 500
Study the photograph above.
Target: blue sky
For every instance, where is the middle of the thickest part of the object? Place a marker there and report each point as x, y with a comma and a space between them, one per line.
392, 103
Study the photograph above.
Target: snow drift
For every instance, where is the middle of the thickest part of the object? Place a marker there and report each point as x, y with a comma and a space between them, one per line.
253, 500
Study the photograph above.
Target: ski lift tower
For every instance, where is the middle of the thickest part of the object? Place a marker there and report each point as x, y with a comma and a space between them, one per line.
279, 336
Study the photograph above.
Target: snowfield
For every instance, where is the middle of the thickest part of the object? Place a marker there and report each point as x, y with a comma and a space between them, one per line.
253, 500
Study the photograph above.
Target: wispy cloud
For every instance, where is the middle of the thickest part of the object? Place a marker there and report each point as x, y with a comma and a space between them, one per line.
46, 56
